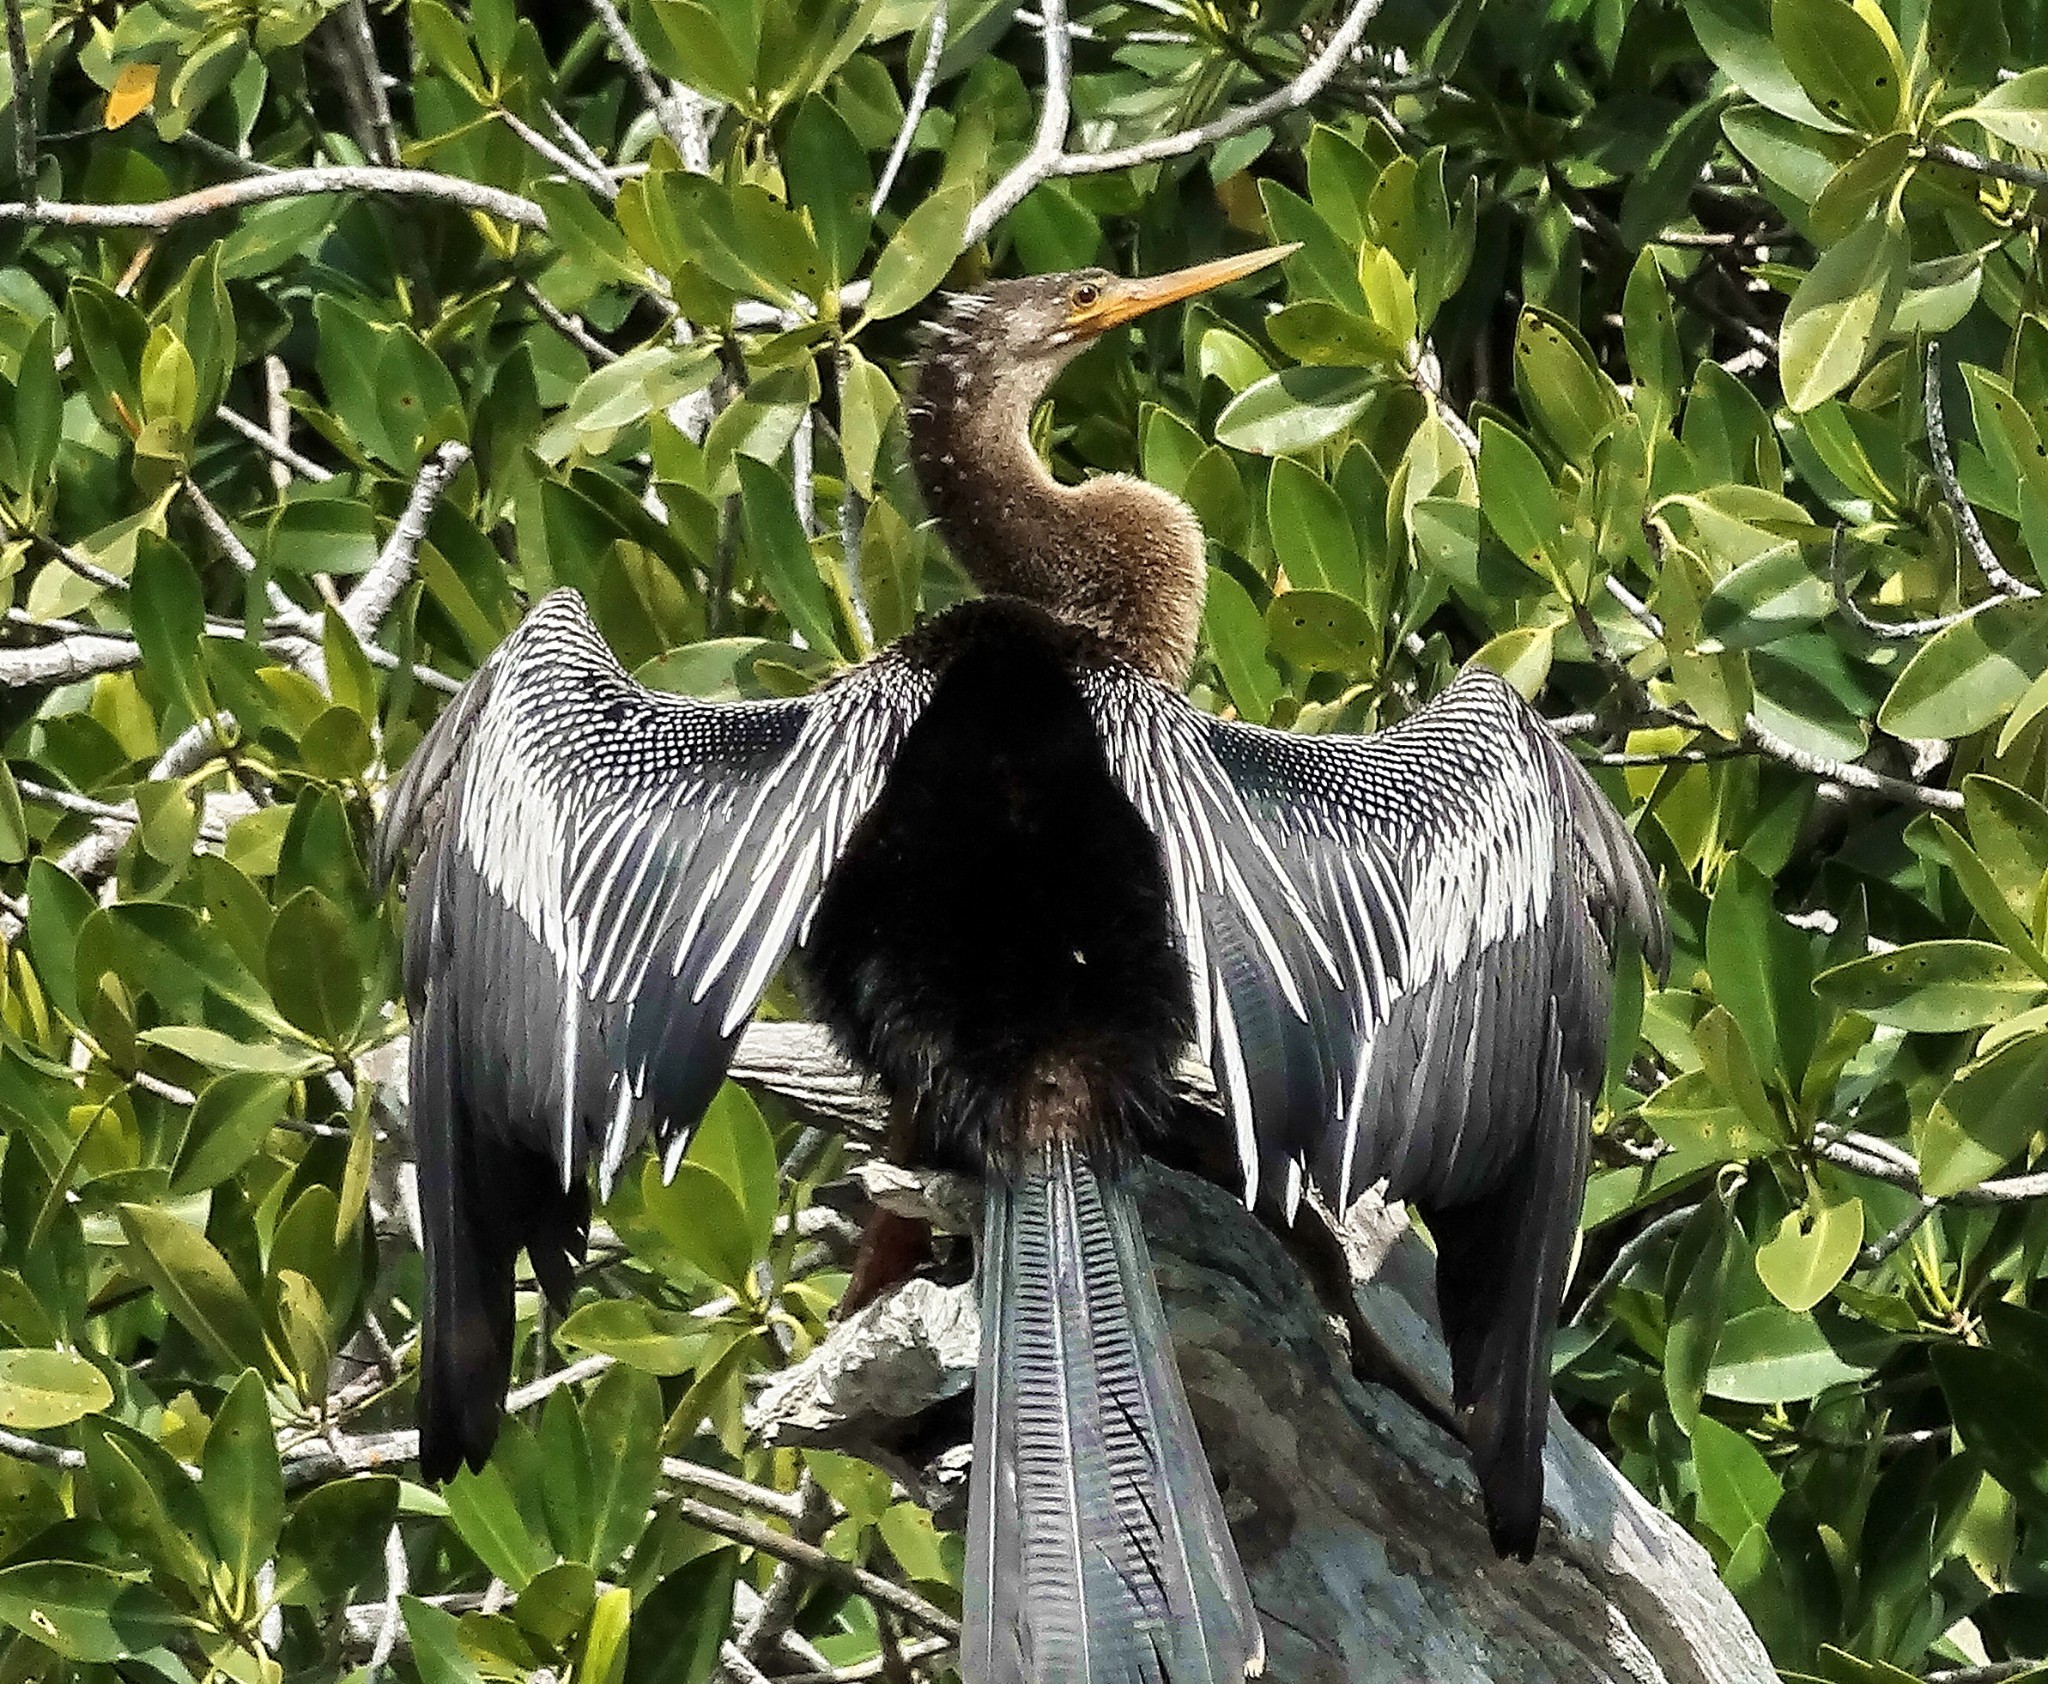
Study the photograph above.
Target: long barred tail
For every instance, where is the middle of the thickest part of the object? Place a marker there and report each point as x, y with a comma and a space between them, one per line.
1097, 1549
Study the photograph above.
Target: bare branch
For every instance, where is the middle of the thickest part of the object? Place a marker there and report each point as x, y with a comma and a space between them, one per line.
1889, 630
274, 447
683, 127
24, 101
574, 168
1956, 157
1847, 773
827, 1567
161, 214
355, 28
378, 589
1952, 488
1048, 145
731, 1487
67, 660
569, 327
389, 1621
913, 113
924, 1649
1314, 77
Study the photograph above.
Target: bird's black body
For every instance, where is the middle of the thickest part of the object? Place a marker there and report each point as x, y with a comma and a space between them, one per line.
1000, 918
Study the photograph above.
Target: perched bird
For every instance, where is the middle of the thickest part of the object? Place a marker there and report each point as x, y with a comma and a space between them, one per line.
1023, 877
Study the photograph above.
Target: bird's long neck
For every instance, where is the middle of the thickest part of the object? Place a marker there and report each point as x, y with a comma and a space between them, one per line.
1115, 555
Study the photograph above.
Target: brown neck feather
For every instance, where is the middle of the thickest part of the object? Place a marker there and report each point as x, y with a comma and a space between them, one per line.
1115, 555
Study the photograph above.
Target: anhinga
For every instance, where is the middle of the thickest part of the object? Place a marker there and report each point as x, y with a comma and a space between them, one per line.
1024, 876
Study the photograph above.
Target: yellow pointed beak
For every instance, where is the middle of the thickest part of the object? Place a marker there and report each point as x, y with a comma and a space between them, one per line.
1124, 301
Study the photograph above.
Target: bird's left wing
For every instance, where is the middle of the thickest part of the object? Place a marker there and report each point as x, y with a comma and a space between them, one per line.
607, 879
1400, 951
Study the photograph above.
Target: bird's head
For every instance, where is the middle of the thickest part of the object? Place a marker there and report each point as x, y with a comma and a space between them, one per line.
1036, 325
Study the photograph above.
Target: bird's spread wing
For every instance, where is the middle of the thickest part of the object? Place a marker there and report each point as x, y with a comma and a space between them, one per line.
1400, 956
609, 877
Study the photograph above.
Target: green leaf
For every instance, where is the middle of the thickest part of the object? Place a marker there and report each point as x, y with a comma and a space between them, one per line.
1982, 1387
1843, 308
919, 253
1814, 1247
1765, 598
557, 1602
866, 401
684, 1620
1650, 336
2009, 829
195, 1285
745, 240
316, 976
1571, 401
651, 1339
241, 1482
1934, 986
1236, 634
332, 1539
622, 1422
1986, 1116
1295, 409
2016, 111
1737, 1488
1516, 494
1312, 533
606, 1637
1967, 675
1702, 1265
230, 1123
82, 1611
1322, 632
1761, 972
829, 180
775, 539
1774, 1355
485, 1510
44, 1389
2007, 923
169, 616
1737, 37
1847, 58
734, 1144
437, 1647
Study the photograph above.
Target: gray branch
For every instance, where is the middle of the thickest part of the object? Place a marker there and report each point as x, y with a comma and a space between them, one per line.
913, 113
378, 589
24, 101
1967, 524
161, 214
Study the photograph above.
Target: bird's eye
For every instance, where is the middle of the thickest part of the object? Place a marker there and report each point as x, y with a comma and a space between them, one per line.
1086, 294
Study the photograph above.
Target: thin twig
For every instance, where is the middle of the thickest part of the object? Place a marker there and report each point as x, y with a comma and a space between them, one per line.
1879, 1250
913, 113
274, 447
569, 327
1048, 145
574, 168
1952, 488
161, 214
1847, 773
374, 594
24, 102
827, 1567
1629, 1256
1957, 157
1888, 630
355, 24
394, 1589
688, 141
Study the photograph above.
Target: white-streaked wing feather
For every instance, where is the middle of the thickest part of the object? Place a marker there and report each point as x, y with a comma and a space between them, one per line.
621, 873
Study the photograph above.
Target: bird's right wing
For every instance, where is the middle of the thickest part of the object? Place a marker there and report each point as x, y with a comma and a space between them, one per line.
609, 877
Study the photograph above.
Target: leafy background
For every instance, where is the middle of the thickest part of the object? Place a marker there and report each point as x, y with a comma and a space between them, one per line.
1609, 357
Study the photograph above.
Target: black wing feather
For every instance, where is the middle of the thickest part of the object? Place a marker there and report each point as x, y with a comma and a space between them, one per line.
1432, 910
608, 877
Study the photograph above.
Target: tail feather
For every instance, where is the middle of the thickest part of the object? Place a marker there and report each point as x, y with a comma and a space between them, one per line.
1097, 1546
